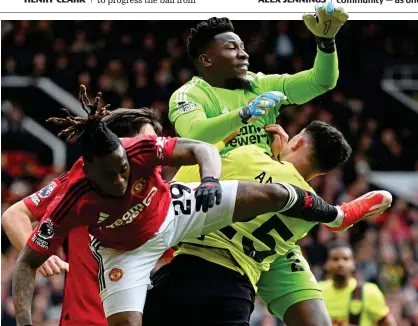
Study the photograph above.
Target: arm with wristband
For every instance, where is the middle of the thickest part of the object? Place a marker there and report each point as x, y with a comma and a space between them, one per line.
306, 85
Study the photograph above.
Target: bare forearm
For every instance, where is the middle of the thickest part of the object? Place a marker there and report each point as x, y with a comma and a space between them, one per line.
191, 152
23, 286
18, 228
209, 161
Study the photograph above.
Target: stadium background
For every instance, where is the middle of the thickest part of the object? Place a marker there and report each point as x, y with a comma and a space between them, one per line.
141, 63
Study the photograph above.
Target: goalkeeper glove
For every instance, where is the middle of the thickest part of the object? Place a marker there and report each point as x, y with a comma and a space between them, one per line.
325, 24
259, 107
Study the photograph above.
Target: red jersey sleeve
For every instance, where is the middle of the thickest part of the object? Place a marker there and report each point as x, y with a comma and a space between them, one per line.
150, 150
39, 201
61, 216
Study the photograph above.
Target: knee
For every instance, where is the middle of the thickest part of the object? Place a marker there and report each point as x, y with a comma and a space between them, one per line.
125, 319
307, 313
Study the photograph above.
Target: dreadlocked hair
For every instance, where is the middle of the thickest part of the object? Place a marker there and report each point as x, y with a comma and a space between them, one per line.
204, 33
94, 137
128, 122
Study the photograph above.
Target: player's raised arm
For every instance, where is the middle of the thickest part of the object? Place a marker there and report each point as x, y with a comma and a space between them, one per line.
306, 85
190, 152
23, 284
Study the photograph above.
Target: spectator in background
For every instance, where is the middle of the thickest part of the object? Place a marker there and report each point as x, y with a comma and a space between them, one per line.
348, 300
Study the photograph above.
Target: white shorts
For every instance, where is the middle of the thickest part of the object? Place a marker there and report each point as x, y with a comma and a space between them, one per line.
124, 276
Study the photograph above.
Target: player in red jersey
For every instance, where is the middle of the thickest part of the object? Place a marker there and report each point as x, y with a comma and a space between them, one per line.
81, 302
116, 189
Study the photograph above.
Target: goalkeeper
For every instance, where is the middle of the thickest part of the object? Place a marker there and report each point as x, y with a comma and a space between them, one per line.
226, 96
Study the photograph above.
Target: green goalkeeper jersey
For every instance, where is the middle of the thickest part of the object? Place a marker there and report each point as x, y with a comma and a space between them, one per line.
249, 247
200, 111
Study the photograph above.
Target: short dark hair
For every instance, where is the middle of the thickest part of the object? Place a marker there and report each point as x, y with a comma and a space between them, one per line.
330, 148
128, 122
94, 137
204, 33
338, 244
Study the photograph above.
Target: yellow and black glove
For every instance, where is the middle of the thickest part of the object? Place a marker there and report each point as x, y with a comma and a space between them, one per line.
325, 24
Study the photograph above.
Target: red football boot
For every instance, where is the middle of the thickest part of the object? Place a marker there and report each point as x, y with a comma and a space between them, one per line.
371, 204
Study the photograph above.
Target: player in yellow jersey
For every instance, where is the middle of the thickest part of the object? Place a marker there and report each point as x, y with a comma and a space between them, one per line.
212, 279
350, 302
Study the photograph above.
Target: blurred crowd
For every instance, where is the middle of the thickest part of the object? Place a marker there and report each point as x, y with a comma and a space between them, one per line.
141, 63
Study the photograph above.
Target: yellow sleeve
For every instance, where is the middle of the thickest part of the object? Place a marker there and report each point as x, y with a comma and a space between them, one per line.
376, 306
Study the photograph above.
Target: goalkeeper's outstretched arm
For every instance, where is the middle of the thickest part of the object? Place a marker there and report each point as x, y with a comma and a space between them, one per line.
306, 85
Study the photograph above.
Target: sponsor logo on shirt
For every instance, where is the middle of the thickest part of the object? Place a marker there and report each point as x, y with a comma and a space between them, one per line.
249, 135
40, 242
138, 186
133, 212
46, 191
35, 199
186, 106
115, 274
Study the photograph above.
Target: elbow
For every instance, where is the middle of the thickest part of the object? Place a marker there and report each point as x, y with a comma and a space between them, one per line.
329, 84
212, 148
7, 217
202, 146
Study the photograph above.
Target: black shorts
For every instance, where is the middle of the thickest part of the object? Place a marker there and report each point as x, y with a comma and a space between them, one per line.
191, 291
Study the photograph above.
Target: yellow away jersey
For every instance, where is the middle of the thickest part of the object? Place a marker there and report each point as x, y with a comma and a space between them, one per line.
249, 247
338, 303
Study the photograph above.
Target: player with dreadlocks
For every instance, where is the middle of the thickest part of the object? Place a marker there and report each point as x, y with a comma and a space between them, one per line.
117, 191
81, 301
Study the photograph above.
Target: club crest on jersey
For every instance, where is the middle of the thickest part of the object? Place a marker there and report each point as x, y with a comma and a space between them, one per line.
186, 106
115, 274
46, 191
46, 229
138, 186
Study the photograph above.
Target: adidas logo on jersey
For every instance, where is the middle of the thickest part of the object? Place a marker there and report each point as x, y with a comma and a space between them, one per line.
102, 217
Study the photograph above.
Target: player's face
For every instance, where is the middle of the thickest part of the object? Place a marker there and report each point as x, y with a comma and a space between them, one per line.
227, 56
340, 263
294, 144
110, 173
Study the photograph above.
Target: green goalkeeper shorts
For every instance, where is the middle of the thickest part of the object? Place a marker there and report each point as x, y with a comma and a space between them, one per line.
288, 281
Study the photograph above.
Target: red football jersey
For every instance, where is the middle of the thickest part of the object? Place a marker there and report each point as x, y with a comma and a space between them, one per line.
123, 223
81, 303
